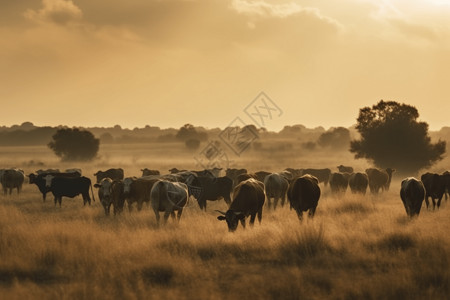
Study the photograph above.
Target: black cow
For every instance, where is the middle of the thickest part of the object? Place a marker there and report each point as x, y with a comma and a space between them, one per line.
434, 187
412, 193
114, 174
248, 200
234, 173
345, 169
69, 187
358, 183
211, 189
39, 180
338, 182
303, 194
323, 175
148, 172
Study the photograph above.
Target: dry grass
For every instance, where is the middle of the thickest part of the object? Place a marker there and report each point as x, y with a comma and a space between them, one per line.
355, 247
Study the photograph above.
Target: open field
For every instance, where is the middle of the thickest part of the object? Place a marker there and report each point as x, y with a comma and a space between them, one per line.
355, 247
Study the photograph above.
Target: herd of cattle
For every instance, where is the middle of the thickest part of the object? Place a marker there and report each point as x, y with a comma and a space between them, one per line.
245, 193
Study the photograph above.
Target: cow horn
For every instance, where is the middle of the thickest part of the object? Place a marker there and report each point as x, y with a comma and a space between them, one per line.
220, 212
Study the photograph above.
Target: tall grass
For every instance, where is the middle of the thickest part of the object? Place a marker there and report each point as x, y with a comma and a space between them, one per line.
355, 247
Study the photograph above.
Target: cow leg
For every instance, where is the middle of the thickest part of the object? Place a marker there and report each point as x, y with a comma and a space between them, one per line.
172, 214
243, 222
439, 202
275, 203
427, 202
130, 207
204, 205
44, 195
283, 200
260, 215
180, 211
166, 216
139, 205
157, 217
59, 200
434, 202
299, 214
252, 219
312, 211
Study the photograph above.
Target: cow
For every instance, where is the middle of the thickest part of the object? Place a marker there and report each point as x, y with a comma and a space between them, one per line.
275, 186
295, 172
114, 174
338, 182
358, 183
211, 189
204, 173
175, 170
234, 173
287, 175
39, 180
148, 172
345, 169
69, 187
434, 188
105, 193
446, 175
244, 177
137, 190
12, 179
168, 197
303, 195
261, 175
216, 171
248, 200
412, 193
379, 179
323, 175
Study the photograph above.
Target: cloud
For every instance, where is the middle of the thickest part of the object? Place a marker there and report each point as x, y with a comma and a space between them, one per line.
56, 11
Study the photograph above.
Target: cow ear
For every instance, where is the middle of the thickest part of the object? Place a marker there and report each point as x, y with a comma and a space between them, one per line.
221, 218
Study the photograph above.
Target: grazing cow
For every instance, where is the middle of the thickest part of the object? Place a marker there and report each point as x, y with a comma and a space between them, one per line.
323, 175
358, 183
275, 186
338, 182
12, 179
379, 179
412, 193
105, 193
234, 173
434, 188
168, 197
212, 189
148, 172
303, 194
295, 172
114, 174
40, 182
248, 200
69, 187
137, 190
345, 169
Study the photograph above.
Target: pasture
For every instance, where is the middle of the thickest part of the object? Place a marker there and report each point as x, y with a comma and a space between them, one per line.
355, 247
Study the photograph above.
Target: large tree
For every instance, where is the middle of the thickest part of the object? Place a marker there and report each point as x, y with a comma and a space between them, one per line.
391, 136
74, 144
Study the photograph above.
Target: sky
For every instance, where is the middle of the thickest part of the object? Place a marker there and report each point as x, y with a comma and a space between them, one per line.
170, 62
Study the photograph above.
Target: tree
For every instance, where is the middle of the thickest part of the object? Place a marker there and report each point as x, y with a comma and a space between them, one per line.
188, 132
74, 144
337, 138
391, 136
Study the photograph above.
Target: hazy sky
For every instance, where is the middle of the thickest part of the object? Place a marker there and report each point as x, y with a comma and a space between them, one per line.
170, 62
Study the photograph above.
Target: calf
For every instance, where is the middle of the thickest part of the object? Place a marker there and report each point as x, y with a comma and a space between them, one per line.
12, 179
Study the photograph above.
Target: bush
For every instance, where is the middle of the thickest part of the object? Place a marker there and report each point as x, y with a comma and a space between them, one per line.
192, 144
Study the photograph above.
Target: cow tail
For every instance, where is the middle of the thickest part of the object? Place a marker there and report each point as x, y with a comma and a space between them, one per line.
92, 192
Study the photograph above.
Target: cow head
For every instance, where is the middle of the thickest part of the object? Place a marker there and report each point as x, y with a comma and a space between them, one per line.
105, 188
127, 185
48, 180
232, 218
32, 178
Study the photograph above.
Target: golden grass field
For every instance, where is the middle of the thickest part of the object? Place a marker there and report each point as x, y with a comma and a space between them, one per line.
355, 247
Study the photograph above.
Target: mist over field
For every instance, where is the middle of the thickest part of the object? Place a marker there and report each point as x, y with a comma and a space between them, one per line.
355, 247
